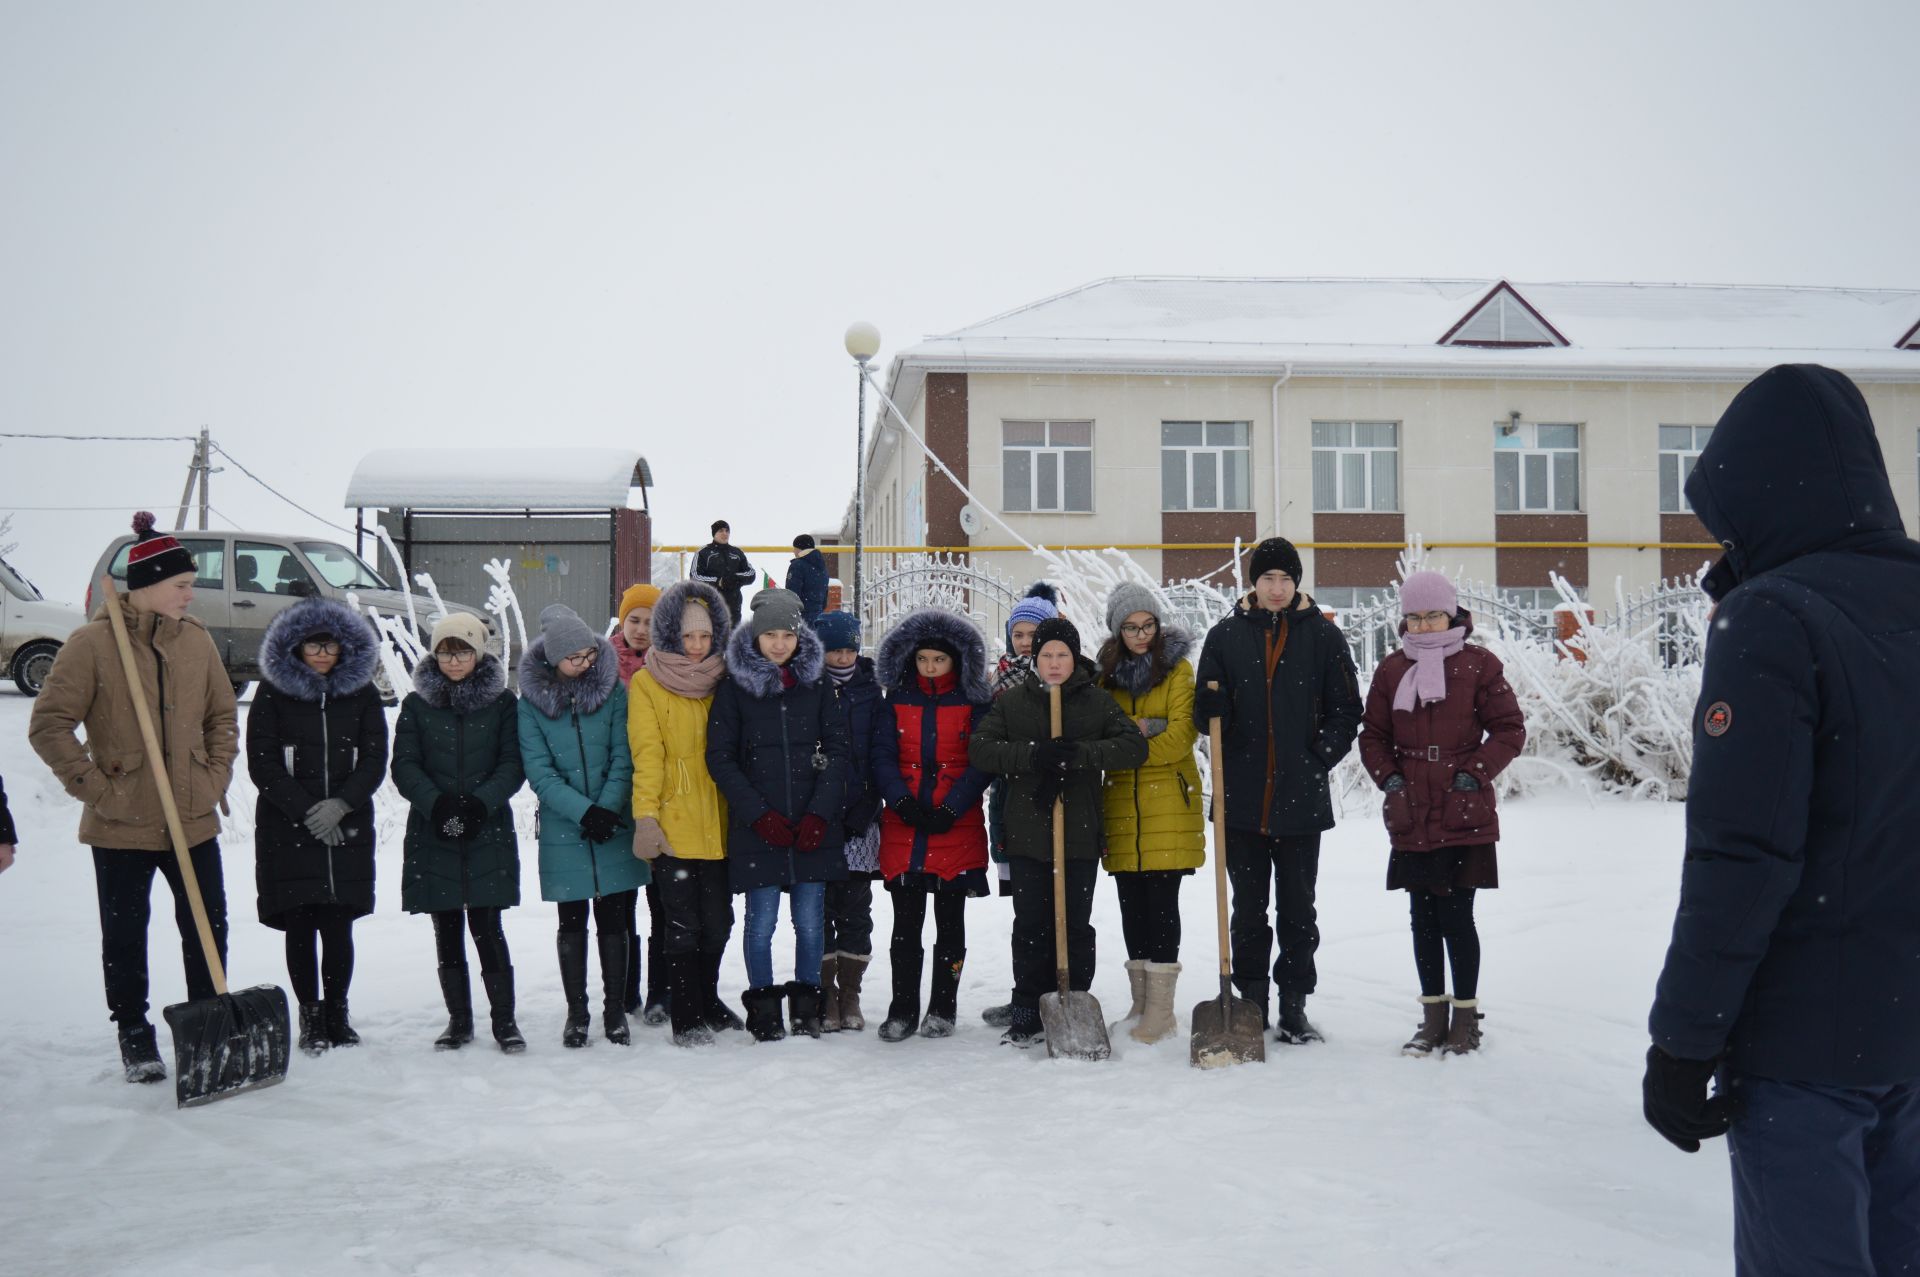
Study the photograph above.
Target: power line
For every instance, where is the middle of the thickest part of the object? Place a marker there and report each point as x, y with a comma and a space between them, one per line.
10, 434
275, 491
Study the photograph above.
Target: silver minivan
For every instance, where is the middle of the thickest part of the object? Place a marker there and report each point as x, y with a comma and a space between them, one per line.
32, 630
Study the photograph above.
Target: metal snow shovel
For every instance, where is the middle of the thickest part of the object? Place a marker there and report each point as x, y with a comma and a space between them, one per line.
231, 1042
1074, 1026
1226, 1029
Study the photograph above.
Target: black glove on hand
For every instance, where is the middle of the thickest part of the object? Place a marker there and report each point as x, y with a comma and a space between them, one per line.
1047, 791
939, 820
1210, 703
1054, 757
909, 810
599, 825
445, 817
1673, 1096
1395, 783
1465, 783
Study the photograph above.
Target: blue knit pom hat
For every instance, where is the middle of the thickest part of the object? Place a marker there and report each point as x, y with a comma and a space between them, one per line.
837, 630
1037, 606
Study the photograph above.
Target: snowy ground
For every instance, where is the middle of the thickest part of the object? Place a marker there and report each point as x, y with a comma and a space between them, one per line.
848, 1155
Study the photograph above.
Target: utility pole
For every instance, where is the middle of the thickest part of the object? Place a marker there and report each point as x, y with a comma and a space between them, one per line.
197, 471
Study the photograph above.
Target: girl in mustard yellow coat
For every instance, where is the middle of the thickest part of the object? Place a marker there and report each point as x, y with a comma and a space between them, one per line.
1154, 822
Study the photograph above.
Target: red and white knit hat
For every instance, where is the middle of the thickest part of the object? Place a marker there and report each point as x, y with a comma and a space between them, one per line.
155, 556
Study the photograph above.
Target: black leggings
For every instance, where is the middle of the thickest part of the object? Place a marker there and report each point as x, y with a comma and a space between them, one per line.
489, 941
949, 919
1444, 924
1150, 913
612, 915
330, 927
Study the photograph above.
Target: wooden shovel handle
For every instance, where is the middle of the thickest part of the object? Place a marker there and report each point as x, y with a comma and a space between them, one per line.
1217, 765
157, 763
1059, 860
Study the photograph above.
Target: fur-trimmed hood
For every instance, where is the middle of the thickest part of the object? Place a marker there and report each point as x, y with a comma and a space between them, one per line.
672, 605
1135, 673
759, 677
282, 666
476, 691
550, 693
903, 640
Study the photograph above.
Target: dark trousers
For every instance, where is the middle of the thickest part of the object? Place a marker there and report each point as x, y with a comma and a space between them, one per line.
1826, 1179
489, 941
849, 921
949, 920
1443, 928
123, 881
329, 929
698, 903
1150, 913
1292, 863
1033, 940
612, 914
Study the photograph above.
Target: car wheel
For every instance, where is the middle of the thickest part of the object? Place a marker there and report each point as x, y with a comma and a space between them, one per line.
32, 664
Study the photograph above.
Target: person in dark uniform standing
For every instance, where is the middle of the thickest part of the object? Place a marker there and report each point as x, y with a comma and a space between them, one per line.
724, 567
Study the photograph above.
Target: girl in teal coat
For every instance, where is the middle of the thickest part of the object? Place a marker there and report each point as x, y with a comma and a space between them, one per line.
573, 743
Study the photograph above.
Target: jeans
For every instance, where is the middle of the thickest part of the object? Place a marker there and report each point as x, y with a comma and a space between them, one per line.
809, 931
124, 884
1291, 863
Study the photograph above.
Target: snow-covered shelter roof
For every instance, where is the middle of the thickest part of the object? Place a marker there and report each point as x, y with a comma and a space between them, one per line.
1421, 327
497, 478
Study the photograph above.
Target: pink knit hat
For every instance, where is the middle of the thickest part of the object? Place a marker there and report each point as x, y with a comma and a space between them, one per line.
1428, 592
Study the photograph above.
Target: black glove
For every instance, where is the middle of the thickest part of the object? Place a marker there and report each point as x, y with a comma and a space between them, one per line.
909, 810
1211, 703
445, 818
599, 825
1395, 783
1054, 757
1465, 783
939, 820
1673, 1096
1047, 791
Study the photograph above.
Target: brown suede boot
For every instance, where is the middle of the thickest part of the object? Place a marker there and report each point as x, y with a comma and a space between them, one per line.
1433, 1027
1156, 1023
852, 969
830, 994
1464, 1036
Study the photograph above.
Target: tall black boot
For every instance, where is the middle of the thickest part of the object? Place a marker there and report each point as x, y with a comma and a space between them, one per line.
659, 983
459, 995
903, 1013
716, 1014
943, 1002
804, 1001
635, 967
615, 950
573, 982
685, 973
500, 998
140, 1054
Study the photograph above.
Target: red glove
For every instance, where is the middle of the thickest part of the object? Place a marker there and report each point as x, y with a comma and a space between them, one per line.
776, 830
813, 831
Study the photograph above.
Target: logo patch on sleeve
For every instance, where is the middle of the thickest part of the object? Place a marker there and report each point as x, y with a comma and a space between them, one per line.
1719, 718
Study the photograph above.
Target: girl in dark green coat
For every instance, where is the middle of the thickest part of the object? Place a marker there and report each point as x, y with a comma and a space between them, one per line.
456, 760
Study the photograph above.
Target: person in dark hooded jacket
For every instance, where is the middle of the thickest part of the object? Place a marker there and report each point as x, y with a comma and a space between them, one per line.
1794, 967
317, 752
848, 921
807, 577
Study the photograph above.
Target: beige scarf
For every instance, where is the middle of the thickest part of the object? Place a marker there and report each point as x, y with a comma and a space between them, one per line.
684, 676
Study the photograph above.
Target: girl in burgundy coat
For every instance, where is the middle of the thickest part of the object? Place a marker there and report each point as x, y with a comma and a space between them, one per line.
1441, 723
933, 835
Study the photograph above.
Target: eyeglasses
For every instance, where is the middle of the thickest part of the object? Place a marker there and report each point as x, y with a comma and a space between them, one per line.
585, 657
460, 657
1428, 618
320, 647
1139, 631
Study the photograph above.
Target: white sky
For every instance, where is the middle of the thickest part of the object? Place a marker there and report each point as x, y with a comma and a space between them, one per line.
324, 228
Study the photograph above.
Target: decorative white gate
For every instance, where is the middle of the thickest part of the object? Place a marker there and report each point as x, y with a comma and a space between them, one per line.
895, 585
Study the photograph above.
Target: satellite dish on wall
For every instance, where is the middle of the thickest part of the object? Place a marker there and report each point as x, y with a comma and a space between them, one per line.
972, 522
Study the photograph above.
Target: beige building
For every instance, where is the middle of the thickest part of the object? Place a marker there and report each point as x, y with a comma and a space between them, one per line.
1516, 428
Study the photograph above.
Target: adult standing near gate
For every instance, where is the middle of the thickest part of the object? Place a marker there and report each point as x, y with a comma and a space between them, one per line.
1289, 704
725, 568
807, 577
1794, 968
191, 699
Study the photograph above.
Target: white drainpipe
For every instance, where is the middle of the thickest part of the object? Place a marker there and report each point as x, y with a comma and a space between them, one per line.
1285, 377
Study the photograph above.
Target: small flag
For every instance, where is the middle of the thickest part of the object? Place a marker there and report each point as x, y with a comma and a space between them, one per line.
768, 584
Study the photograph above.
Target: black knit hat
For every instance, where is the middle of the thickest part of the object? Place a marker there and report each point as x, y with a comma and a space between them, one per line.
1272, 553
718, 524
938, 643
154, 556
804, 541
1058, 627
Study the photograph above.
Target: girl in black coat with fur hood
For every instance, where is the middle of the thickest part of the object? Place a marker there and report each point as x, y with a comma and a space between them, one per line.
317, 751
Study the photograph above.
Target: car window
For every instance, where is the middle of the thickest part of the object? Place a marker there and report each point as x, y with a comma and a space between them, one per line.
260, 568
209, 561
343, 569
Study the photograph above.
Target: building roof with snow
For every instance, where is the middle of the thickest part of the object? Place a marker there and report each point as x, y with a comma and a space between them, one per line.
1434, 328
497, 478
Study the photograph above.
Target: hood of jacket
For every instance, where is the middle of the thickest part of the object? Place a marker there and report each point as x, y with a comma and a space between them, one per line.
476, 691
1793, 467
282, 666
672, 606
903, 640
542, 684
1135, 673
759, 677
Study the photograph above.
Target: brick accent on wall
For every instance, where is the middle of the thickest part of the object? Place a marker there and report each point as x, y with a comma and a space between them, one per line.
1179, 528
632, 553
946, 394
1684, 527
1357, 567
1527, 569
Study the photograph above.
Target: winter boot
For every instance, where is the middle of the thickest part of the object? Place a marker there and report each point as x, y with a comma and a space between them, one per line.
339, 1032
1464, 1035
830, 994
1433, 1027
500, 998
805, 1002
1295, 1029
659, 984
573, 983
313, 1029
999, 1017
1156, 1023
631, 1001
615, 950
763, 1003
1137, 986
853, 969
1024, 1029
140, 1055
459, 995
903, 1013
684, 979
716, 1014
943, 1001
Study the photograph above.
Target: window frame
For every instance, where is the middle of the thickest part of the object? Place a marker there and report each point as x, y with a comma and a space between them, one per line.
1698, 439
1505, 429
1370, 475
1216, 451
1060, 454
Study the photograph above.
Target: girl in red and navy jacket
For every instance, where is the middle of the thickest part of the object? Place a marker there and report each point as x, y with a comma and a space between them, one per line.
933, 835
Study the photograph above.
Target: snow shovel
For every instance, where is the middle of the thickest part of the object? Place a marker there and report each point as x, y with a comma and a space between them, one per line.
1074, 1026
231, 1042
1226, 1030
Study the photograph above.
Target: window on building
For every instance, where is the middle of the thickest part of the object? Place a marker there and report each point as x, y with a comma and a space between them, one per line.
1356, 466
1541, 600
1679, 449
1204, 465
1536, 468
1047, 466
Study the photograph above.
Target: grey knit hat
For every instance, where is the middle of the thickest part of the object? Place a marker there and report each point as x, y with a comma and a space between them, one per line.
563, 632
775, 610
1126, 599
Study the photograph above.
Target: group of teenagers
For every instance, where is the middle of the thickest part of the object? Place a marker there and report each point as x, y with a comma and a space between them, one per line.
700, 757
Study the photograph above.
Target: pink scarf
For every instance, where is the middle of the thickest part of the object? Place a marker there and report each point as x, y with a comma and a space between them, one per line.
684, 677
1428, 677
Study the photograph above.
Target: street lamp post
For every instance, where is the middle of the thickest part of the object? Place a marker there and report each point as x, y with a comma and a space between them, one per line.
863, 343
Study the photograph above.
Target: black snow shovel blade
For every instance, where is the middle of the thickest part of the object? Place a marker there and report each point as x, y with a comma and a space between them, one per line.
228, 1043
1227, 1030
